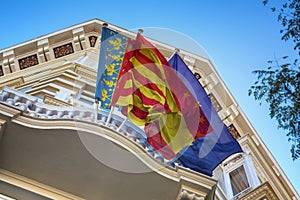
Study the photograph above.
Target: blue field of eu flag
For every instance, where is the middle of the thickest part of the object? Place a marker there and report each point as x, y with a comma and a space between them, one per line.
112, 49
206, 153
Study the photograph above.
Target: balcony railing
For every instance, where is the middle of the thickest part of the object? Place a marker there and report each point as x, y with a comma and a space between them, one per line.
35, 108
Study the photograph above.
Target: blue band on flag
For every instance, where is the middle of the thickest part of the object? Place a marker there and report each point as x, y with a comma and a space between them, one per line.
209, 151
112, 50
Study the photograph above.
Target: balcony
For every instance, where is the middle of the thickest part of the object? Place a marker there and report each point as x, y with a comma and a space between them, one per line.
47, 144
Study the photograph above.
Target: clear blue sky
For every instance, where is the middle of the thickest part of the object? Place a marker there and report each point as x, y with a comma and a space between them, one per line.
239, 35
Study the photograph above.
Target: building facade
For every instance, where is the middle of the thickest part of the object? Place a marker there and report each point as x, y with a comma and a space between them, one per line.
54, 144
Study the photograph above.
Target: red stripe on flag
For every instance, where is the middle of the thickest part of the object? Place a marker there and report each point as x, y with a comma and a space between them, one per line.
142, 40
138, 112
151, 65
155, 139
126, 65
146, 101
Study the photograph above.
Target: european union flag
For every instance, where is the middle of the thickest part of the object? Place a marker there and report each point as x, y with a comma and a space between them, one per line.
206, 153
112, 50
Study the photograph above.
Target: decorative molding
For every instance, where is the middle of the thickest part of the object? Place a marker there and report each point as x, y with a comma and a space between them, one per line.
254, 138
79, 39
229, 114
234, 110
259, 172
8, 53
211, 81
85, 72
28, 61
12, 82
93, 40
43, 42
63, 50
189, 59
9, 62
264, 190
276, 170
43, 50
234, 162
54, 101
78, 31
214, 102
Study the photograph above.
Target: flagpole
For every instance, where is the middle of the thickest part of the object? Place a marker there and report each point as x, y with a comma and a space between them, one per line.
175, 51
96, 108
109, 115
123, 123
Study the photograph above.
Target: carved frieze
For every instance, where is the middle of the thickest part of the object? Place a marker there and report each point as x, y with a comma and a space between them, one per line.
63, 50
28, 61
215, 102
93, 40
233, 131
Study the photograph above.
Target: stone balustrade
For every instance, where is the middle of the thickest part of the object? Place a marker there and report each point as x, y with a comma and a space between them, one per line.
35, 108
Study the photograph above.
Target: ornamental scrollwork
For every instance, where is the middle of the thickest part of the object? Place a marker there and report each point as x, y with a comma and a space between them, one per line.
63, 50
28, 61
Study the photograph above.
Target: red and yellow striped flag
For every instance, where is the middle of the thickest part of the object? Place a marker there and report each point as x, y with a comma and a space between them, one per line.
152, 95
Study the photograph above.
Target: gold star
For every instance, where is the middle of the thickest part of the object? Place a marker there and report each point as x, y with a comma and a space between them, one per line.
202, 119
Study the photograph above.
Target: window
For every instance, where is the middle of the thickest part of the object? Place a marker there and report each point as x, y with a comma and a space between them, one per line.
239, 181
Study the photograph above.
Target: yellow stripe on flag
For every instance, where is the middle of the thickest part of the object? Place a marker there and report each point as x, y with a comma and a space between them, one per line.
174, 131
148, 73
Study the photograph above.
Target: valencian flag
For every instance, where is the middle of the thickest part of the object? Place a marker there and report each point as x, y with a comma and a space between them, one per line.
152, 95
111, 55
217, 144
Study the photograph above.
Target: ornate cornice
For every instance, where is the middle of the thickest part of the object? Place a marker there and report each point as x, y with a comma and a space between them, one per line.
12, 82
